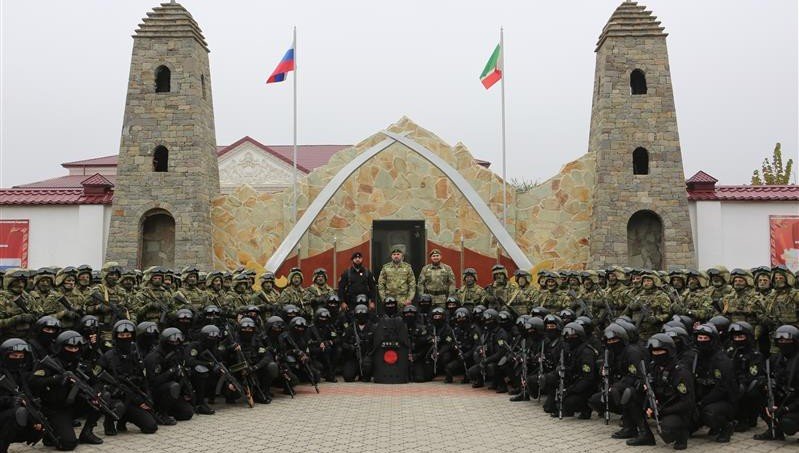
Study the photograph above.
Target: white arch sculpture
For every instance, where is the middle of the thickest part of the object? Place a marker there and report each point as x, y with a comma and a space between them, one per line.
471, 195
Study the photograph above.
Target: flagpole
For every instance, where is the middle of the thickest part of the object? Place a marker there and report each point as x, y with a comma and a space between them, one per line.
504, 167
294, 150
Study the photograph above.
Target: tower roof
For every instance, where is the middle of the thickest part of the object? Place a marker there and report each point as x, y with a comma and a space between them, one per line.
170, 20
631, 19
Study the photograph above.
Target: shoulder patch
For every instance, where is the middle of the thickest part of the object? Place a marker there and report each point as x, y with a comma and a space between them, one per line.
332, 334
632, 369
476, 337
500, 342
717, 373
448, 339
193, 352
753, 370
40, 372
261, 350
586, 368
682, 388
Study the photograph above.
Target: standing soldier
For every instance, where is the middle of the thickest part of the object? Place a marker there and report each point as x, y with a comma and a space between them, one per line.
396, 279
43, 284
527, 291
106, 301
357, 280
292, 294
744, 304
215, 290
697, 302
550, 296
594, 299
196, 297
650, 308
784, 301
316, 294
267, 297
470, 294
500, 291
436, 279
153, 302
720, 286
17, 311
65, 303
84, 279
616, 288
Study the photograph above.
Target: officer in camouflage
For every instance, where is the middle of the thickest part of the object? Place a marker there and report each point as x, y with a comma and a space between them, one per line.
396, 278
470, 293
436, 279
499, 293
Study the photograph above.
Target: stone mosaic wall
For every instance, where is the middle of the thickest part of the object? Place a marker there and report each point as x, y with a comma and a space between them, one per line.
398, 184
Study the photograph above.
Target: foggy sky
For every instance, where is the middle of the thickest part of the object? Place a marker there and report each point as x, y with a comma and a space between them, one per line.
363, 64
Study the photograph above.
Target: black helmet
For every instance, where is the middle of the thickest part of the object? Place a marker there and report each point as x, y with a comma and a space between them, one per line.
786, 338
452, 302
539, 312
361, 309
554, 319
534, 325
662, 341
477, 312
687, 321
47, 328
123, 325
632, 331
573, 332
14, 345
679, 335
586, 322
427, 299
333, 298
172, 338
490, 317
462, 315
89, 323
248, 324
147, 328
298, 324
212, 311
322, 315
409, 311
184, 316
276, 325
438, 315
390, 301
363, 299
721, 323
210, 333
710, 331
615, 331
567, 315
69, 345
625, 318
505, 318
291, 311
521, 320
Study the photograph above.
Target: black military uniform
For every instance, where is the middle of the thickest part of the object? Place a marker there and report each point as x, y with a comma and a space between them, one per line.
357, 280
168, 378
783, 417
252, 362
716, 389
357, 346
420, 370
16, 398
750, 373
580, 373
463, 341
295, 344
324, 344
487, 354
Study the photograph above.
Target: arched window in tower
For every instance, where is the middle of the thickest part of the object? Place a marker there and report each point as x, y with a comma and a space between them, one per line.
637, 82
163, 78
645, 240
161, 159
640, 161
202, 84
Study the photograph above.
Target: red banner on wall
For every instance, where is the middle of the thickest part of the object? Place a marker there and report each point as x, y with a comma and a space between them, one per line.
13, 243
784, 231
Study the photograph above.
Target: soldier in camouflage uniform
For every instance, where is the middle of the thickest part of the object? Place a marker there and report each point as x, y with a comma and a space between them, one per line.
153, 302
17, 309
315, 295
65, 303
84, 280
528, 292
128, 283
251, 274
215, 290
227, 281
107, 300
267, 298
744, 304
238, 298
651, 307
616, 289
44, 284
593, 297
169, 283
470, 294
636, 283
436, 279
784, 301
551, 297
719, 286
696, 300
501, 290
293, 293
189, 288
396, 279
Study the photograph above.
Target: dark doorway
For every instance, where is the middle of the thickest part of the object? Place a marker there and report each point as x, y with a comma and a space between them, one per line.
410, 234
645, 241
157, 239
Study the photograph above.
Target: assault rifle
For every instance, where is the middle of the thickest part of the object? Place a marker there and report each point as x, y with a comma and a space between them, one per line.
650, 396
482, 352
561, 392
80, 386
606, 385
305, 363
523, 379
285, 374
457, 346
68, 306
434, 351
33, 407
583, 307
770, 391
183, 376
116, 312
226, 376
358, 351
540, 371
243, 366
131, 390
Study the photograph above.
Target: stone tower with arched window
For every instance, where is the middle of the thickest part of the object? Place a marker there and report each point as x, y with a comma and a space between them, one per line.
640, 213
167, 172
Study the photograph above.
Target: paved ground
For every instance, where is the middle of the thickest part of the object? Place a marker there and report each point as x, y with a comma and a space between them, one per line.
432, 417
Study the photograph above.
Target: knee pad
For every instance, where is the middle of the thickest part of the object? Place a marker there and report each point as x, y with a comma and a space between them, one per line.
626, 396
149, 428
790, 424
201, 370
272, 370
173, 390
21, 417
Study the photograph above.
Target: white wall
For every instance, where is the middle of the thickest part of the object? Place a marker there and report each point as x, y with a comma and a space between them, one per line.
735, 233
63, 235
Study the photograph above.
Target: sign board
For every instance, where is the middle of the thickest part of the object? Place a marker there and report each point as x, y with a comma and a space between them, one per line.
14, 243
784, 237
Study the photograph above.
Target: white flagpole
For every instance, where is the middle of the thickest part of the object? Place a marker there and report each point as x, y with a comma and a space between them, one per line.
294, 151
504, 167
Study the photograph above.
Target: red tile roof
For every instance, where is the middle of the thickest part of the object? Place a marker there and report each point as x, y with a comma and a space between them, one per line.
747, 193
97, 180
105, 161
62, 182
52, 197
701, 176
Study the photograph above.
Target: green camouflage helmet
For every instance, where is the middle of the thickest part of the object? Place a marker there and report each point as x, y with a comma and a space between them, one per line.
745, 274
109, 268
719, 270
295, 271
790, 278
12, 275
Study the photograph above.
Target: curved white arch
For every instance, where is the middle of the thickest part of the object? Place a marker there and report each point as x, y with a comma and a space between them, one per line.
471, 195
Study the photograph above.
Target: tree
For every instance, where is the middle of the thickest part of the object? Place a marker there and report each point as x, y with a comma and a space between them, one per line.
523, 185
773, 173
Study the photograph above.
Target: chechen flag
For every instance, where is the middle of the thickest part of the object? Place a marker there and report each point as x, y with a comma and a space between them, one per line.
493, 70
286, 64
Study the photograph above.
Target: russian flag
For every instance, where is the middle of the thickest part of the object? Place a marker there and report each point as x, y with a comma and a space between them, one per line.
286, 64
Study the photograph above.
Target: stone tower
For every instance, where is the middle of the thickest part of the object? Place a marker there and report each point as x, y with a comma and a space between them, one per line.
167, 170
640, 215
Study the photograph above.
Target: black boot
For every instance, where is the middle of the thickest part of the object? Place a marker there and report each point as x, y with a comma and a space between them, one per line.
204, 409
643, 438
766, 435
165, 419
725, 433
520, 397
87, 436
109, 427
681, 443
448, 379
625, 433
